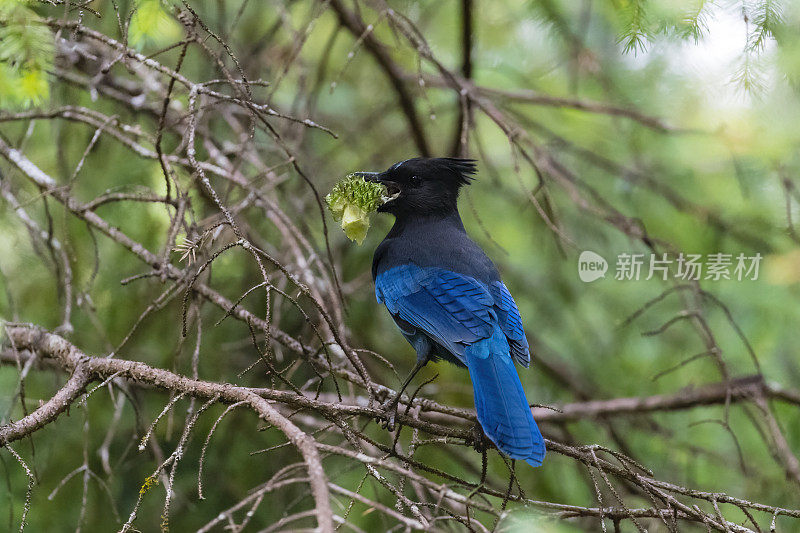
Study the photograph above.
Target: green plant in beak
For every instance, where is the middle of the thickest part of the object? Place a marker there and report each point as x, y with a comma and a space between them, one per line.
352, 201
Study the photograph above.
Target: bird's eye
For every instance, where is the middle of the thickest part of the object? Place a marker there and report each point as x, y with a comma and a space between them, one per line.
415, 180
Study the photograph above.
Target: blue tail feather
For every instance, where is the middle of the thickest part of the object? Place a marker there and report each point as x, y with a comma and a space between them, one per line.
500, 402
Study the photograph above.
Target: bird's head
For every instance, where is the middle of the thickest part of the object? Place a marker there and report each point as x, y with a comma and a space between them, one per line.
423, 186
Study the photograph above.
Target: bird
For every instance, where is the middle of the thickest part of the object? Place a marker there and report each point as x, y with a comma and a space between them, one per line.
446, 297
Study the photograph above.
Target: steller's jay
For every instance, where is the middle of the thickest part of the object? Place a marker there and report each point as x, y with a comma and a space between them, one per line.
447, 298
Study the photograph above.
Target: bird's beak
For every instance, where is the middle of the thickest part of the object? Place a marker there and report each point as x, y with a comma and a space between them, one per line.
392, 188
370, 176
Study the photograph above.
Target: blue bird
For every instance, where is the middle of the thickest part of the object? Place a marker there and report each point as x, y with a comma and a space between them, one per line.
448, 300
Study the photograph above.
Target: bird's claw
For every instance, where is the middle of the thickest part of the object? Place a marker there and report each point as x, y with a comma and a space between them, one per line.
478, 438
389, 416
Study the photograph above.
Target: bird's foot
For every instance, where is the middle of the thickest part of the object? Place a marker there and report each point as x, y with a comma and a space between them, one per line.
389, 416
479, 440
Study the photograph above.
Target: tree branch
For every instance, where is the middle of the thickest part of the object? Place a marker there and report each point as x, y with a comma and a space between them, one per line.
85, 367
460, 139
356, 26
746, 388
50, 410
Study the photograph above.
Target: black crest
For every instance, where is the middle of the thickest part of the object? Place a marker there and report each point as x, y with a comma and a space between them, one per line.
462, 170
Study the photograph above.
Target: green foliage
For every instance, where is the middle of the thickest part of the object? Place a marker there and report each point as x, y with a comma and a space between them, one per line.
642, 21
692, 23
766, 19
749, 75
26, 53
636, 31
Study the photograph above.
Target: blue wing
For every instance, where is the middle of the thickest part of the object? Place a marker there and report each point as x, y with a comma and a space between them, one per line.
480, 326
456, 310
511, 322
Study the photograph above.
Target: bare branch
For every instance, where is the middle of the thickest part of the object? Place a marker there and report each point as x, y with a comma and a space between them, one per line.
82, 366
